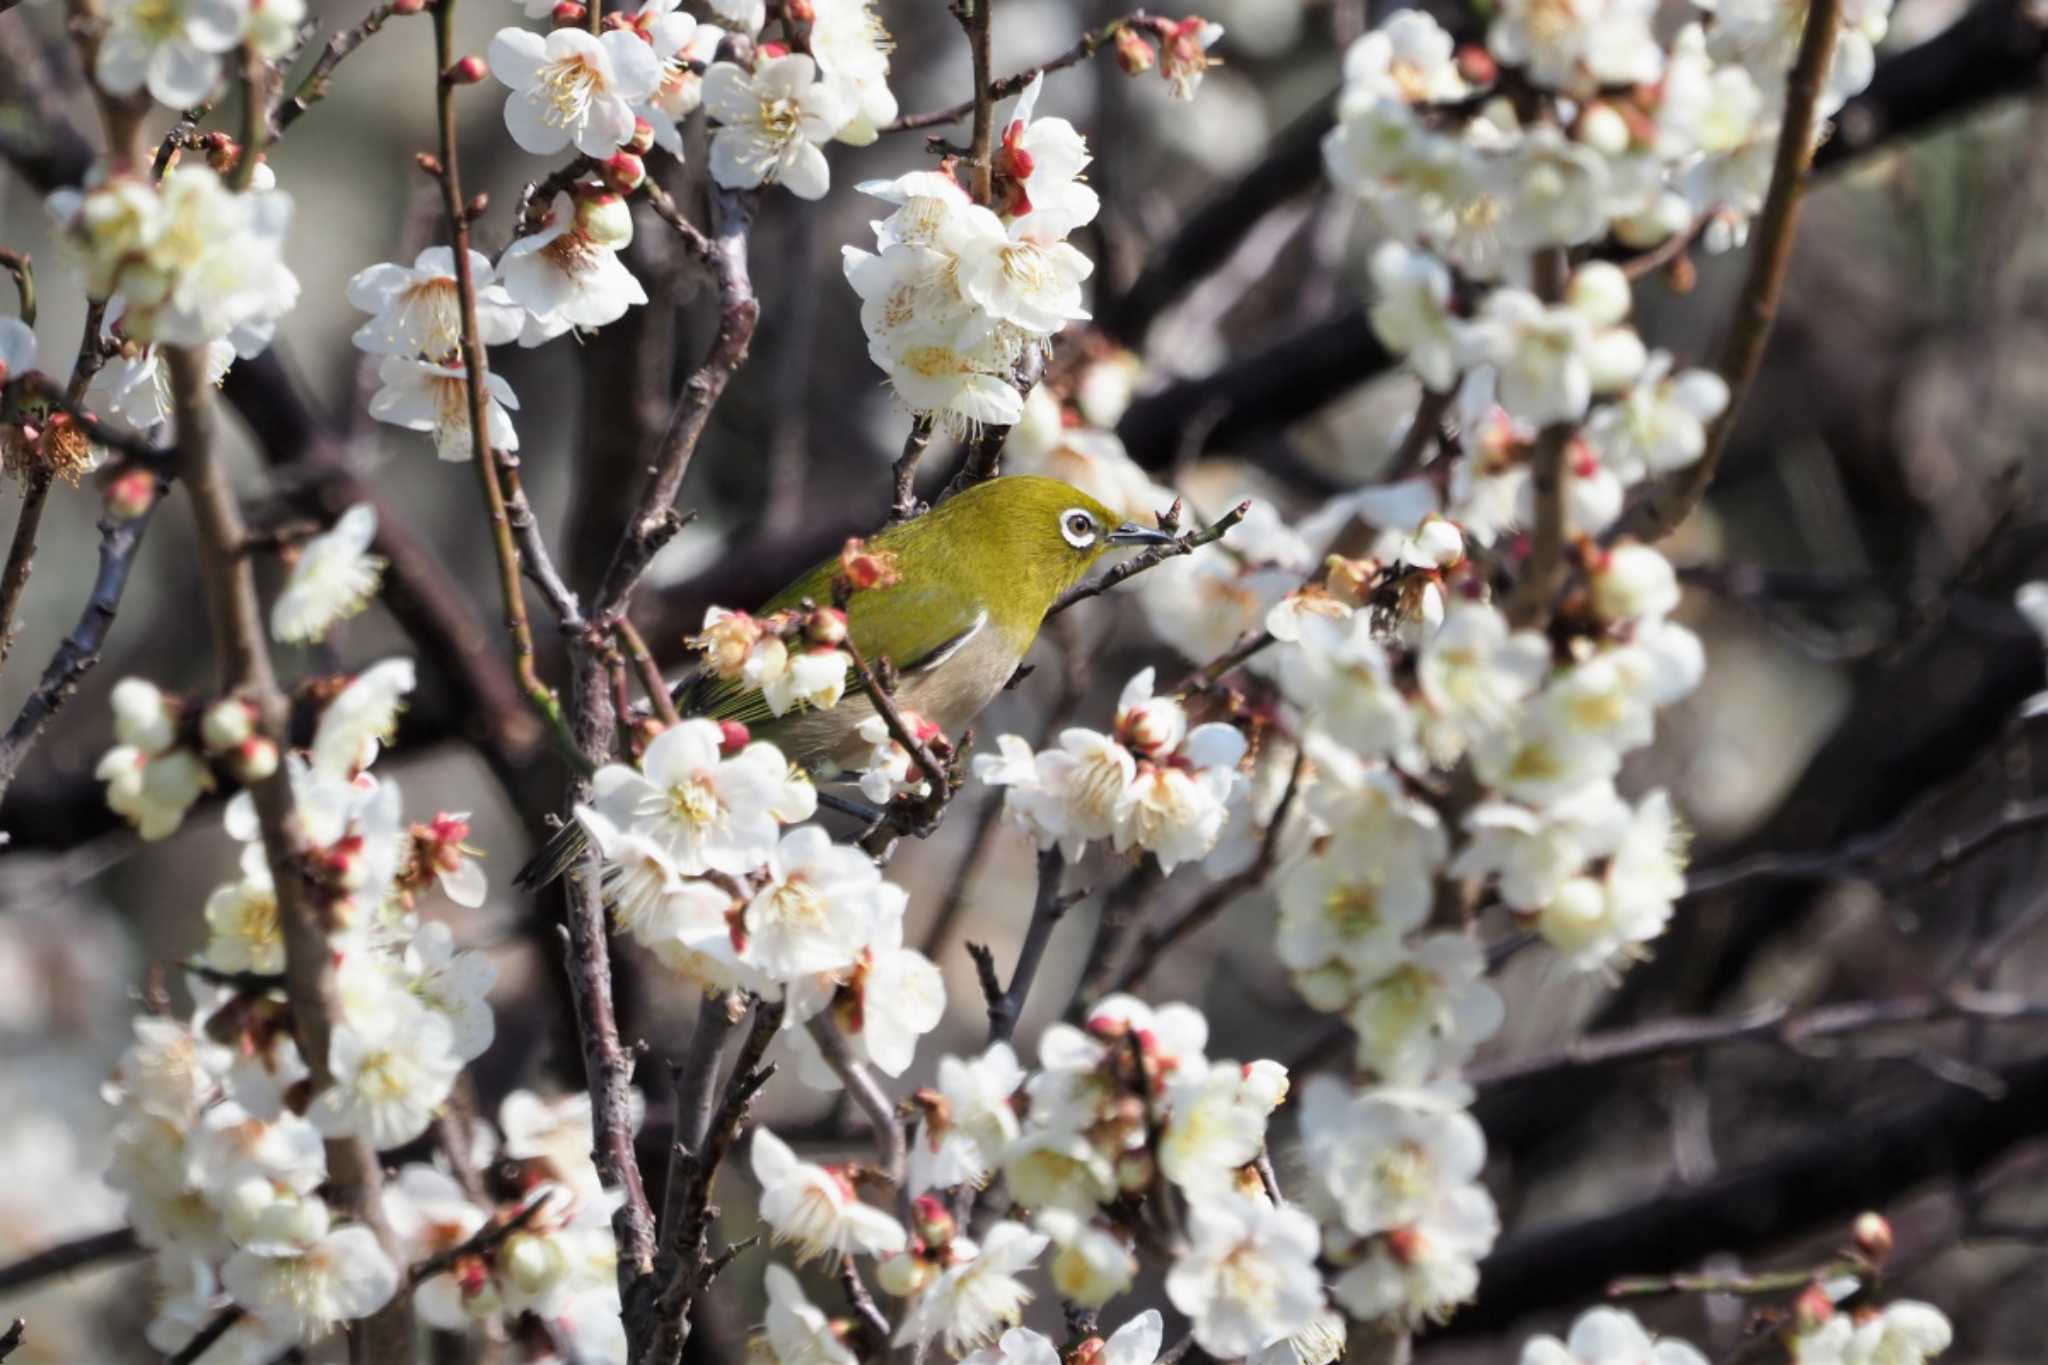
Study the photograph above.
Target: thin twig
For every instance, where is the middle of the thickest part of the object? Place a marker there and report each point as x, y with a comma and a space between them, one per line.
1770, 260
866, 1313
313, 87
976, 16
1048, 908
17, 264
21, 551
905, 505
649, 673
654, 518
1157, 554
256, 76
885, 706
481, 1243
11, 1338
1755, 1283
1153, 943
1543, 572
1863, 857
456, 211
1086, 46
891, 1151
112, 1245
1775, 1023
665, 208
209, 1336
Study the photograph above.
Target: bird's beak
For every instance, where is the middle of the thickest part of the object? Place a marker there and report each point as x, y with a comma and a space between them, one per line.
1130, 533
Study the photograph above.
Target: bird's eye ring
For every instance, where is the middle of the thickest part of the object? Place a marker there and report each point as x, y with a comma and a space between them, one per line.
1078, 528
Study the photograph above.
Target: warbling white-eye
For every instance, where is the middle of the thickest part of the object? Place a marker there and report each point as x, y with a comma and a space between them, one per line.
975, 577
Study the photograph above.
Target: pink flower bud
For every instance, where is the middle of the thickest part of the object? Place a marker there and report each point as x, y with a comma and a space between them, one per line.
768, 52
568, 14
826, 626
1476, 65
1874, 1236
255, 760
605, 219
1133, 53
931, 1220
643, 136
625, 172
1812, 1308
465, 71
403, 7
131, 494
865, 568
732, 736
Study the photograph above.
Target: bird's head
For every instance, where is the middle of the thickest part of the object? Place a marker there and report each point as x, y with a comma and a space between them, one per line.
1024, 540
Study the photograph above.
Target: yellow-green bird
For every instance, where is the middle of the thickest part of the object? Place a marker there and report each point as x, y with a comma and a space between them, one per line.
975, 577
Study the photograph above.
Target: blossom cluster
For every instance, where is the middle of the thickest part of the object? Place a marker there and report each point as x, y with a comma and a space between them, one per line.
175, 52
958, 294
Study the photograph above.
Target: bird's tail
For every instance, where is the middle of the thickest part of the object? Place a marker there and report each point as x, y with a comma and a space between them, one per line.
554, 859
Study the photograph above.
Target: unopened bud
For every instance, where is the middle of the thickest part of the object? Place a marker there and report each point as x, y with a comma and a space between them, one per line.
643, 136
903, 1274
800, 11
227, 724
1681, 275
568, 14
477, 207
826, 626
605, 220
465, 71
866, 568
131, 494
1873, 1235
1602, 128
402, 7
1134, 1171
768, 52
1089, 1352
1133, 53
1476, 65
625, 172
255, 760
931, 1220
427, 162
732, 736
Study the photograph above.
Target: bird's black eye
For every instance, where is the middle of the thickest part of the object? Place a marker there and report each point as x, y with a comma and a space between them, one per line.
1078, 527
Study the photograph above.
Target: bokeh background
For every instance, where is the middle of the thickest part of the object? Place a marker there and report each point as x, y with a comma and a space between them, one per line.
1852, 576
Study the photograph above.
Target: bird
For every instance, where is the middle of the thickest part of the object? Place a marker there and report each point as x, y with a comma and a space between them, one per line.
975, 577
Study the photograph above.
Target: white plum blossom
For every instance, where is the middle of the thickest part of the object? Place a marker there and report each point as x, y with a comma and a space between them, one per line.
422, 395
1609, 1336
337, 1275
1413, 312
964, 1133
417, 309
980, 1295
1137, 1342
1092, 1263
568, 275
1905, 1332
814, 1208
333, 576
1248, 1276
392, 1069
707, 811
851, 48
1581, 44
1427, 1015
889, 998
770, 122
745, 15
797, 1332
818, 911
571, 86
1660, 424
171, 47
1409, 58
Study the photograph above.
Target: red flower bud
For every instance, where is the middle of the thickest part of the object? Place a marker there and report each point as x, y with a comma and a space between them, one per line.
1874, 1236
1812, 1308
931, 1219
1476, 65
800, 11
643, 136
1133, 53
732, 736
408, 6
465, 71
131, 494
826, 626
568, 14
625, 172
768, 52
254, 760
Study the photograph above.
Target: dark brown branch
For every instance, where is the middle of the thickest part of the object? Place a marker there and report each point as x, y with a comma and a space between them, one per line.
1153, 943
10, 1340
209, 1336
17, 264
654, 519
977, 16
1773, 1024
312, 87
115, 1244
136, 447
885, 706
866, 1312
904, 505
665, 208
1156, 555
120, 539
891, 1150
1086, 46
1047, 910
1770, 260
1864, 857
21, 551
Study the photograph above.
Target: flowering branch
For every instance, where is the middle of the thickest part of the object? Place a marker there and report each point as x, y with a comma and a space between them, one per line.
242, 660
1185, 544
904, 505
312, 88
1770, 260
1086, 46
